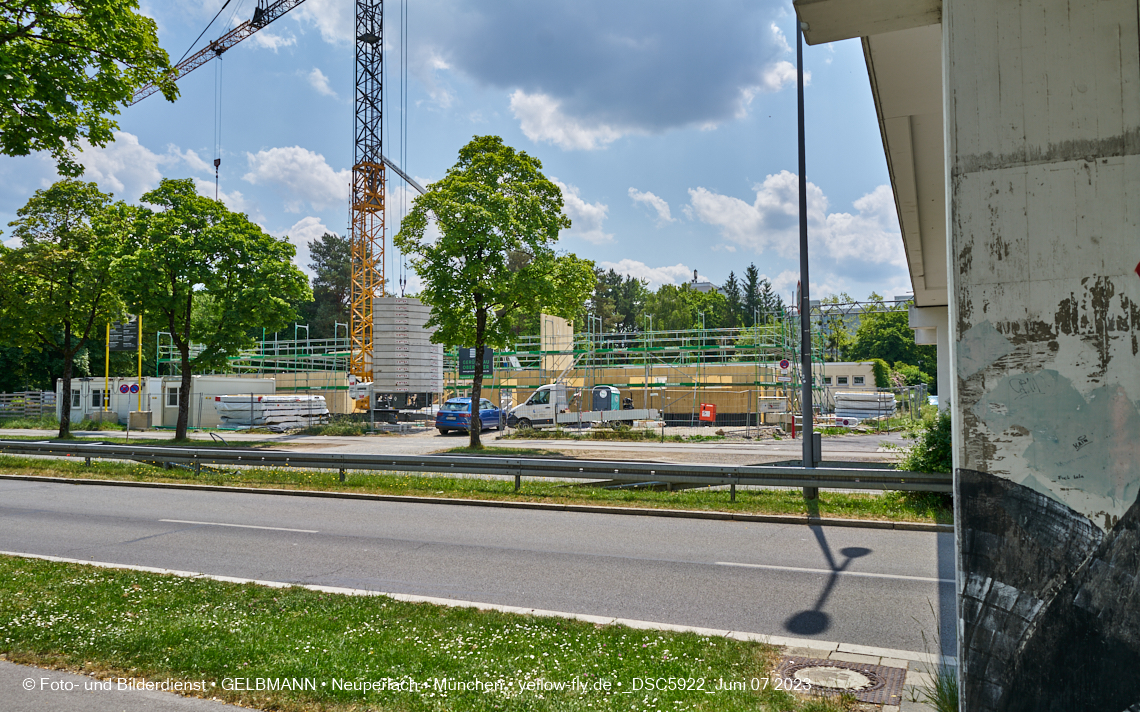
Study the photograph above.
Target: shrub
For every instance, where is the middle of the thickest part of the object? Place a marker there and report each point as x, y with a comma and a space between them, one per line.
907, 375
882, 372
932, 450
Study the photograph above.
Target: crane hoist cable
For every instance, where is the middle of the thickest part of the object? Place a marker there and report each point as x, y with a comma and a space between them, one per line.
208, 26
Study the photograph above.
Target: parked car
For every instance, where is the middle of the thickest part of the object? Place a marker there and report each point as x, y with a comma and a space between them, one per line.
455, 414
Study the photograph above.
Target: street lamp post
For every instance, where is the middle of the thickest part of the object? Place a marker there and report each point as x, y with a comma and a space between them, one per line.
808, 433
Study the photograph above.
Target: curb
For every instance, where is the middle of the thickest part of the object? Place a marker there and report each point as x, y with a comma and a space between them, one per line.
777, 640
579, 508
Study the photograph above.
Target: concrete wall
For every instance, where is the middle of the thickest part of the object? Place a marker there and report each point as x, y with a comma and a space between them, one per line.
1043, 118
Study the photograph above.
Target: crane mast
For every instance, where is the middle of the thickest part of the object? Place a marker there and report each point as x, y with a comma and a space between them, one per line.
368, 161
368, 183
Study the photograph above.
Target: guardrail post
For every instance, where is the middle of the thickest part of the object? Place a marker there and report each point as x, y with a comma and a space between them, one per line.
518, 482
732, 492
342, 474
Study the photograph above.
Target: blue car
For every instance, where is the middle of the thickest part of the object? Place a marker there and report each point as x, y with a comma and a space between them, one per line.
455, 414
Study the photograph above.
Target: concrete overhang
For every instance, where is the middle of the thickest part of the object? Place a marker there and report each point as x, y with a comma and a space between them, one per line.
832, 20
902, 45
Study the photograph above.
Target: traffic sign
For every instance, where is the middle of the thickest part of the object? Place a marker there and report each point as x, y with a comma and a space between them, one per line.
134, 388
124, 389
785, 364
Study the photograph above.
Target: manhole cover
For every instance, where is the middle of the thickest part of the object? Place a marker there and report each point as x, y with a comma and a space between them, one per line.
874, 684
834, 678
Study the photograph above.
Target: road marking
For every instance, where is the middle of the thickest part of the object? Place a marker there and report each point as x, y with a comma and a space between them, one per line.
924, 657
829, 572
241, 526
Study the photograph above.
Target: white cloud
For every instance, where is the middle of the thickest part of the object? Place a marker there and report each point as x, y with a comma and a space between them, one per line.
334, 19
771, 222
272, 41
860, 247
541, 120
234, 200
655, 276
586, 218
785, 282
303, 176
303, 232
428, 66
192, 159
126, 168
779, 38
653, 201
320, 82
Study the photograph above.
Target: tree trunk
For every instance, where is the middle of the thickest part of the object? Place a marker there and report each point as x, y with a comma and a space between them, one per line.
183, 394
65, 394
477, 381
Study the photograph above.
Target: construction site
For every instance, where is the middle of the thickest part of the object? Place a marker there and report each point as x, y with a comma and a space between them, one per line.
384, 363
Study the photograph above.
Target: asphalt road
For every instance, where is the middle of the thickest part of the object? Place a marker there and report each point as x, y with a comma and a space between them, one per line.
864, 586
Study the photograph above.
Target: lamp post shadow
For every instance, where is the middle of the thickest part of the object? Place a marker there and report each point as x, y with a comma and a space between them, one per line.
814, 621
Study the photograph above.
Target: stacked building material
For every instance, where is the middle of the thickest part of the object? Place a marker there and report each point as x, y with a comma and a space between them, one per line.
286, 411
864, 404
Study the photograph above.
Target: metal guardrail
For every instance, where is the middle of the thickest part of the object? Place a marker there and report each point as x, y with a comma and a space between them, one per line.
622, 471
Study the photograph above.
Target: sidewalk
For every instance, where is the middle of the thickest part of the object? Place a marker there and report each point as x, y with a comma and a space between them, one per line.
72, 692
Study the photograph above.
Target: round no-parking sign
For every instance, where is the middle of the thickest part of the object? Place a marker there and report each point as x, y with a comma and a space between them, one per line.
785, 363
124, 388
134, 388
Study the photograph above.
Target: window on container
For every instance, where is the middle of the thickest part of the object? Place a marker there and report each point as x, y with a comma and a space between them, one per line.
858, 380
841, 380
76, 398
97, 398
827, 380
172, 396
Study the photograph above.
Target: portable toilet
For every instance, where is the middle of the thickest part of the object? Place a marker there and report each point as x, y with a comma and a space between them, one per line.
606, 398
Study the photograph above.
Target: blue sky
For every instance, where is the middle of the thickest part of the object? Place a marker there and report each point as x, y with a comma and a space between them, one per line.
671, 128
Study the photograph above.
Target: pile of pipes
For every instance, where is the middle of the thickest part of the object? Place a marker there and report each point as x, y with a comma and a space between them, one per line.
270, 411
864, 404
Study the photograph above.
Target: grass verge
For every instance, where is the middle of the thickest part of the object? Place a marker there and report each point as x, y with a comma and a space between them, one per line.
891, 506
113, 623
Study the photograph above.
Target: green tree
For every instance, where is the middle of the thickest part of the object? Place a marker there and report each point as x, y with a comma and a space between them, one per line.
59, 286
771, 304
67, 66
751, 298
629, 303
209, 276
669, 308
732, 294
602, 303
331, 263
887, 335
494, 202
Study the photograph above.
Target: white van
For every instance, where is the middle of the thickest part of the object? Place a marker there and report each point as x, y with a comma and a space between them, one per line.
540, 408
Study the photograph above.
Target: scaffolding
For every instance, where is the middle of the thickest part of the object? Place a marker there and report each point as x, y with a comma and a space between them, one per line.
674, 371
